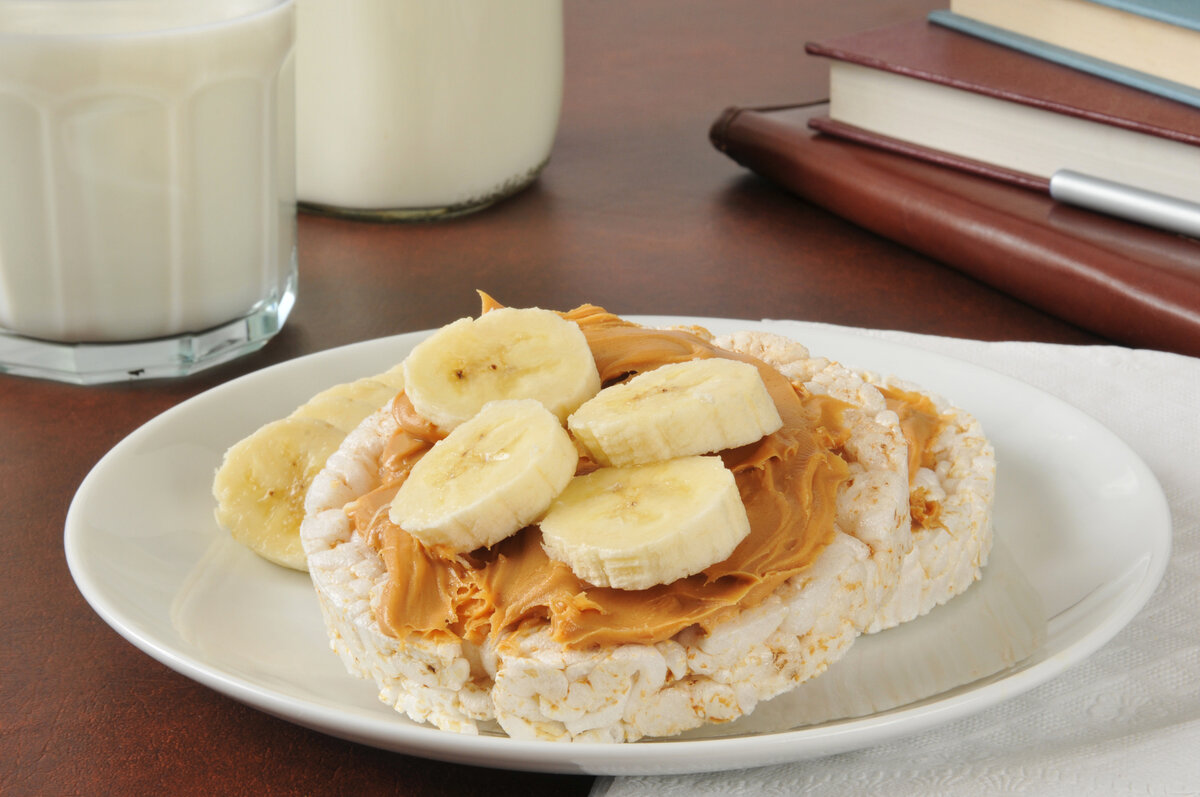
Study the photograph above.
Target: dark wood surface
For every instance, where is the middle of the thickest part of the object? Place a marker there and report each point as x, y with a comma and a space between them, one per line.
636, 212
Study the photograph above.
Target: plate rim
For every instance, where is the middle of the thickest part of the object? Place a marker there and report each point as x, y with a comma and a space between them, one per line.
665, 756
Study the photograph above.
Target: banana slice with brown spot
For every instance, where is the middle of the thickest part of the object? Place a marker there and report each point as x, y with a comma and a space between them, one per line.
262, 481
508, 353
637, 526
676, 410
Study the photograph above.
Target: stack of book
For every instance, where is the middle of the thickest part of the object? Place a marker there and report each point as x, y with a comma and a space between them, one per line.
957, 98
962, 136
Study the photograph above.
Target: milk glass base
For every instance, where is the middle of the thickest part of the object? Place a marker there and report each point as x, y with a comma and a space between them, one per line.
513, 186
178, 355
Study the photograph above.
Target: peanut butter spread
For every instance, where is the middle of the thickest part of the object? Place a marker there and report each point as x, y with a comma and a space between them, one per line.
788, 481
920, 422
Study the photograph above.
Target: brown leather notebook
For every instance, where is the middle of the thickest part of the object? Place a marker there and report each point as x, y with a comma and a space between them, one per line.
1132, 284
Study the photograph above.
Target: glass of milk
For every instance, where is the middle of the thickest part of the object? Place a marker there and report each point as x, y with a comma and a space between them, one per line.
147, 184
419, 109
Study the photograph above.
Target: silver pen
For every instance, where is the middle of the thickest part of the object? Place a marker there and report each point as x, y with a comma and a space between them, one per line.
1124, 201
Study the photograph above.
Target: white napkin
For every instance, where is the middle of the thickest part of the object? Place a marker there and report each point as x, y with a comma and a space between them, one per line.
1124, 721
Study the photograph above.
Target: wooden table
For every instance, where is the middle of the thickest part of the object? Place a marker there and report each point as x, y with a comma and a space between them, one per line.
636, 212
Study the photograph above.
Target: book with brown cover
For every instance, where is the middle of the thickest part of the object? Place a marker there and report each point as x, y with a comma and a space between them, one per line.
1132, 284
957, 67
927, 52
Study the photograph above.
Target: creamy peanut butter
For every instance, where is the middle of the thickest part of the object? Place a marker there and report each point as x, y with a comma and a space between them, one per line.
920, 422
788, 481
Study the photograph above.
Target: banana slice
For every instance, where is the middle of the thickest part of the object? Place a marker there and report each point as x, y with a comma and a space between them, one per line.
261, 483
489, 478
393, 377
508, 353
346, 405
676, 410
260, 486
634, 527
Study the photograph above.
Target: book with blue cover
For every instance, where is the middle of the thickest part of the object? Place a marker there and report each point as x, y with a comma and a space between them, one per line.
1185, 13
1106, 38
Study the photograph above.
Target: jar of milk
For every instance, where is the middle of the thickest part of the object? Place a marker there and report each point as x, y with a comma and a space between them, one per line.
415, 109
147, 187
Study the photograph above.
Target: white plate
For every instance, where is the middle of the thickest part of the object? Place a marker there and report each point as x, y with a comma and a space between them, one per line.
146, 553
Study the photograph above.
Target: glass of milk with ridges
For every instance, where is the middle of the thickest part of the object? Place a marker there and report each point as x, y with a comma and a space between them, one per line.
147, 184
424, 109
